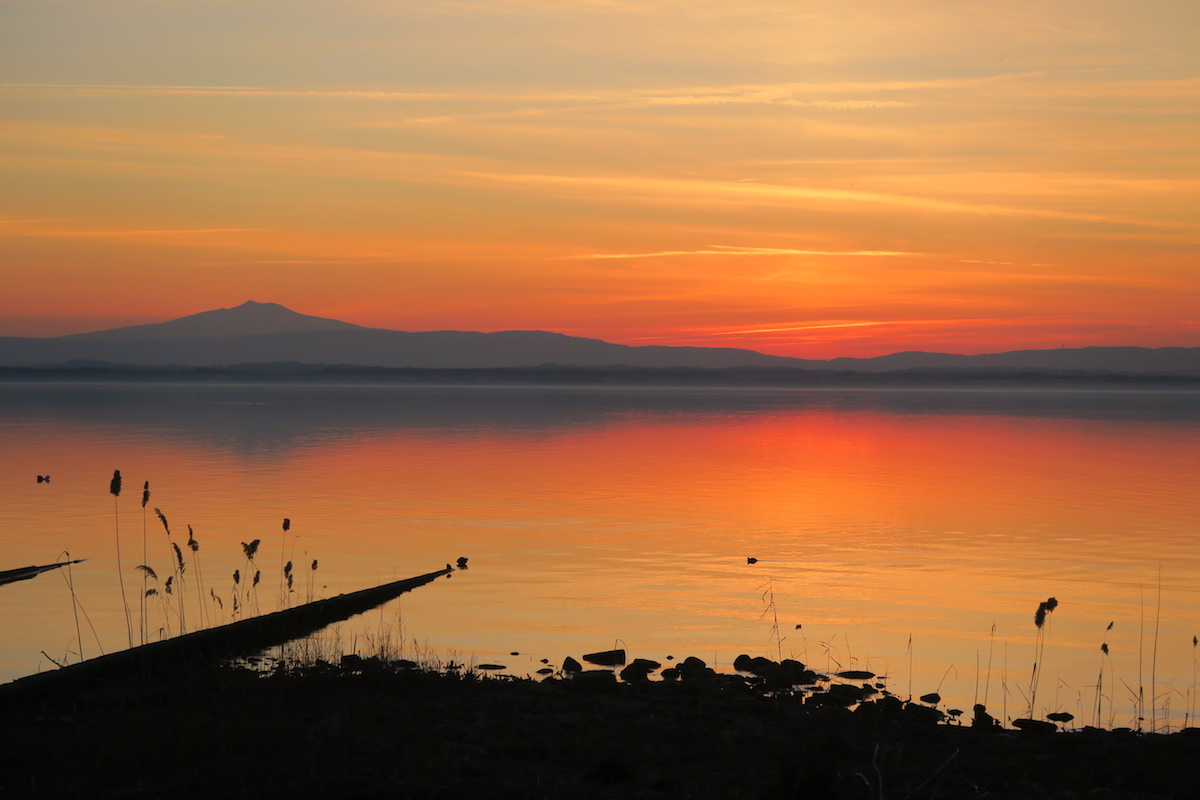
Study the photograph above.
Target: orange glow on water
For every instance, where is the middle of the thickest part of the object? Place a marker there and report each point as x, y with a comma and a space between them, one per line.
590, 517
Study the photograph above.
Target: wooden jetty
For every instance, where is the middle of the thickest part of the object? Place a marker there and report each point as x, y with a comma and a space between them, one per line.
27, 573
236, 639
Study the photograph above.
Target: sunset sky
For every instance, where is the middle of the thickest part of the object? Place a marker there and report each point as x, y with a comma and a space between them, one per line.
802, 178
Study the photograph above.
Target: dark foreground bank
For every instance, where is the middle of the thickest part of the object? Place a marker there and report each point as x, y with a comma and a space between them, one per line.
374, 730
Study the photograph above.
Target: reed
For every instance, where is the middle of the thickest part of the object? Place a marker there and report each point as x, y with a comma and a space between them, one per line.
768, 598
991, 646
142, 600
312, 574
114, 488
1098, 717
194, 546
176, 561
287, 526
250, 550
289, 577
70, 579
237, 587
1044, 609
1190, 712
1140, 700
1154, 658
910, 666
148, 574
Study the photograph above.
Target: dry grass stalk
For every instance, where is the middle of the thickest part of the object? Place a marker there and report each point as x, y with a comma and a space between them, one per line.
142, 601
202, 610
176, 568
287, 526
1039, 619
114, 488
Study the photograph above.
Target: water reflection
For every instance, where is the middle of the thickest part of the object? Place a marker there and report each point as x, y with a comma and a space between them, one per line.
888, 525
270, 419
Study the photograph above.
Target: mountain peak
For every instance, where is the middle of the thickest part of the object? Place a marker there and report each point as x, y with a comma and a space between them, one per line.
250, 318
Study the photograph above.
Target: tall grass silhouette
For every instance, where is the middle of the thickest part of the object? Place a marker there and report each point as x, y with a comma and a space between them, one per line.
142, 599
287, 526
250, 550
176, 560
1039, 649
148, 573
114, 488
194, 546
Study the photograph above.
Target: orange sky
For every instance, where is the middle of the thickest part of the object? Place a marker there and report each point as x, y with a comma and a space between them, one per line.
809, 181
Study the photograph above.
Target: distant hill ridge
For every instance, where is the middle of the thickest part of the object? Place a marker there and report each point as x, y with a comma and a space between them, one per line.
267, 333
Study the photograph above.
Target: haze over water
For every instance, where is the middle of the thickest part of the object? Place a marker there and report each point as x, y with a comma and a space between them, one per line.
596, 515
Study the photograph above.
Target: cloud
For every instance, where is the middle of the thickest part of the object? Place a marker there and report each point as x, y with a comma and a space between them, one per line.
731, 250
741, 191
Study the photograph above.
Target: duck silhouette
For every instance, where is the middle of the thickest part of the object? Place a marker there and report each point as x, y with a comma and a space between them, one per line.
751, 560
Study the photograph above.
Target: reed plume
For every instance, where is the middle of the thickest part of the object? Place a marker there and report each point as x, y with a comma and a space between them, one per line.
287, 526
1098, 718
1039, 649
250, 550
237, 582
176, 567
114, 488
194, 546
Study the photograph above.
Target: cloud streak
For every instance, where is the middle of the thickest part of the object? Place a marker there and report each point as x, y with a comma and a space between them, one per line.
732, 250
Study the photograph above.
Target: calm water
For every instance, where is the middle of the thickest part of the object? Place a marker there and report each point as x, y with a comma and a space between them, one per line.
897, 528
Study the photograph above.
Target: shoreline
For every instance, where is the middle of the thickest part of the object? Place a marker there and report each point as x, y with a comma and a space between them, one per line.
371, 728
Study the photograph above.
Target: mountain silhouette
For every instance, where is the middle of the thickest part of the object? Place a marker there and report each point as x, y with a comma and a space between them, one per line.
250, 318
268, 333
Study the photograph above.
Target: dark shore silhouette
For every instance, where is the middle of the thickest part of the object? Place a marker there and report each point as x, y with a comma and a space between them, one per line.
371, 728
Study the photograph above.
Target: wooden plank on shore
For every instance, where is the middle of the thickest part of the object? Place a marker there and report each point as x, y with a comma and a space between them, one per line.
240, 638
26, 573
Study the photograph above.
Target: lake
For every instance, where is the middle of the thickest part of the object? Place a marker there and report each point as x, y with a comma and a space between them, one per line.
909, 533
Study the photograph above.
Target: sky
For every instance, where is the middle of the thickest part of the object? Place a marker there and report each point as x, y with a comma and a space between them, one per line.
812, 179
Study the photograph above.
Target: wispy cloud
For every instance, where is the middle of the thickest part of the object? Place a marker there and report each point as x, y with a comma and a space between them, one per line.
731, 250
132, 234
741, 191
803, 328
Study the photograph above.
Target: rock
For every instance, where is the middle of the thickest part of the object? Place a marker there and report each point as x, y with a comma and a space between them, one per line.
763, 667
594, 680
691, 664
638, 670
849, 694
933, 698
606, 658
670, 674
923, 714
491, 667
982, 719
1060, 716
1035, 727
890, 706
855, 675
742, 663
571, 665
